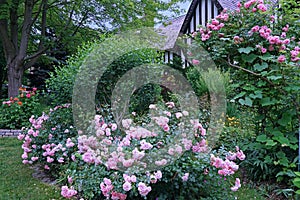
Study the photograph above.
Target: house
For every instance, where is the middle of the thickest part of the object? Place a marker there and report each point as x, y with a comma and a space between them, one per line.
199, 13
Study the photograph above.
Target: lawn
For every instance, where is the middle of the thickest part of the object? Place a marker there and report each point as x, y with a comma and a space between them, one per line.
16, 181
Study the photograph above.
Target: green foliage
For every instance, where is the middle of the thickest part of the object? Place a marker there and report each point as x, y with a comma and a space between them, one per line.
263, 83
61, 81
15, 112
296, 182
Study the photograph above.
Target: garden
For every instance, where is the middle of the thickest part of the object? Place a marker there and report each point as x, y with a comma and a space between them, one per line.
137, 132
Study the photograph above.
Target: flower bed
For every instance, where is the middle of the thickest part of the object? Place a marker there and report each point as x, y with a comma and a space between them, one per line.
131, 160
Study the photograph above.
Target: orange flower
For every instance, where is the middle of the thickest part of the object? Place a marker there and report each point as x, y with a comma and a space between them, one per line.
20, 103
22, 89
16, 99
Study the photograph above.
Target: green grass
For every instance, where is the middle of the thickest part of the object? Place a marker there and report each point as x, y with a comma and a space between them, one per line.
16, 181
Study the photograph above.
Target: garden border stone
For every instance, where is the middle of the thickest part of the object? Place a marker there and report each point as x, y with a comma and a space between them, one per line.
9, 133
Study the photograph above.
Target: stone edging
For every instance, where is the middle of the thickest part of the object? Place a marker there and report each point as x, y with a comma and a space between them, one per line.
9, 133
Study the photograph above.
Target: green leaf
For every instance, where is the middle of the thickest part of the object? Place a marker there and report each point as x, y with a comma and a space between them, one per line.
285, 119
266, 57
246, 50
239, 95
261, 138
246, 102
274, 77
298, 191
271, 143
260, 67
267, 101
297, 173
249, 58
256, 95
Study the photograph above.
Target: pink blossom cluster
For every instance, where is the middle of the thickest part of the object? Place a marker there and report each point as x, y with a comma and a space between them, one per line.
278, 41
256, 5
226, 167
106, 187
143, 189
67, 105
238, 154
68, 192
215, 25
49, 150
107, 190
295, 54
155, 176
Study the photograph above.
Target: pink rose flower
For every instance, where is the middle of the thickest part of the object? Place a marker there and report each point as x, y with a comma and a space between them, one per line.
185, 177
127, 186
281, 59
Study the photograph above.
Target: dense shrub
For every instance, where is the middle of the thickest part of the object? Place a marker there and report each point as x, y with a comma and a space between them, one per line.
61, 82
15, 112
262, 54
182, 170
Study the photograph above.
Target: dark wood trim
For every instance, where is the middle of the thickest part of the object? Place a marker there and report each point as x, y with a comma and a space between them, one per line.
189, 15
206, 11
218, 5
212, 9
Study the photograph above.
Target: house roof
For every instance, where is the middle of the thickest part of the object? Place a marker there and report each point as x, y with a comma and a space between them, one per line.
171, 31
232, 4
174, 27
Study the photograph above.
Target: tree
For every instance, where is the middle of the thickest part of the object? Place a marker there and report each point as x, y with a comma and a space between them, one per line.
25, 26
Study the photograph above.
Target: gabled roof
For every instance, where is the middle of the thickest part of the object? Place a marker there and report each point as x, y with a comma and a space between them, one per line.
171, 31
232, 4
179, 25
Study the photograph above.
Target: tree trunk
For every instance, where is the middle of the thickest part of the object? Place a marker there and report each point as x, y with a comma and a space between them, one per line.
15, 73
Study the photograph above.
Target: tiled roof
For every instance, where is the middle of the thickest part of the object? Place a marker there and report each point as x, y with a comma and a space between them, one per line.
171, 31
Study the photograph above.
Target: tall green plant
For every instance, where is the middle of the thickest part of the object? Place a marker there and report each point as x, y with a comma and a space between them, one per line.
262, 53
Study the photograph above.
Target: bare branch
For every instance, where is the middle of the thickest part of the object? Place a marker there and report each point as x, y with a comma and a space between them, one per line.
80, 23
36, 54
251, 72
37, 13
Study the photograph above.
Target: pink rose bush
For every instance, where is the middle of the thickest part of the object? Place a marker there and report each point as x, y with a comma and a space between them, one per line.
127, 160
260, 50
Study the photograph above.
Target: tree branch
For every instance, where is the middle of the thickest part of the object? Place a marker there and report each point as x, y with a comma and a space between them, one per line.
251, 72
80, 23
37, 13
295, 102
36, 54
14, 23
26, 28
